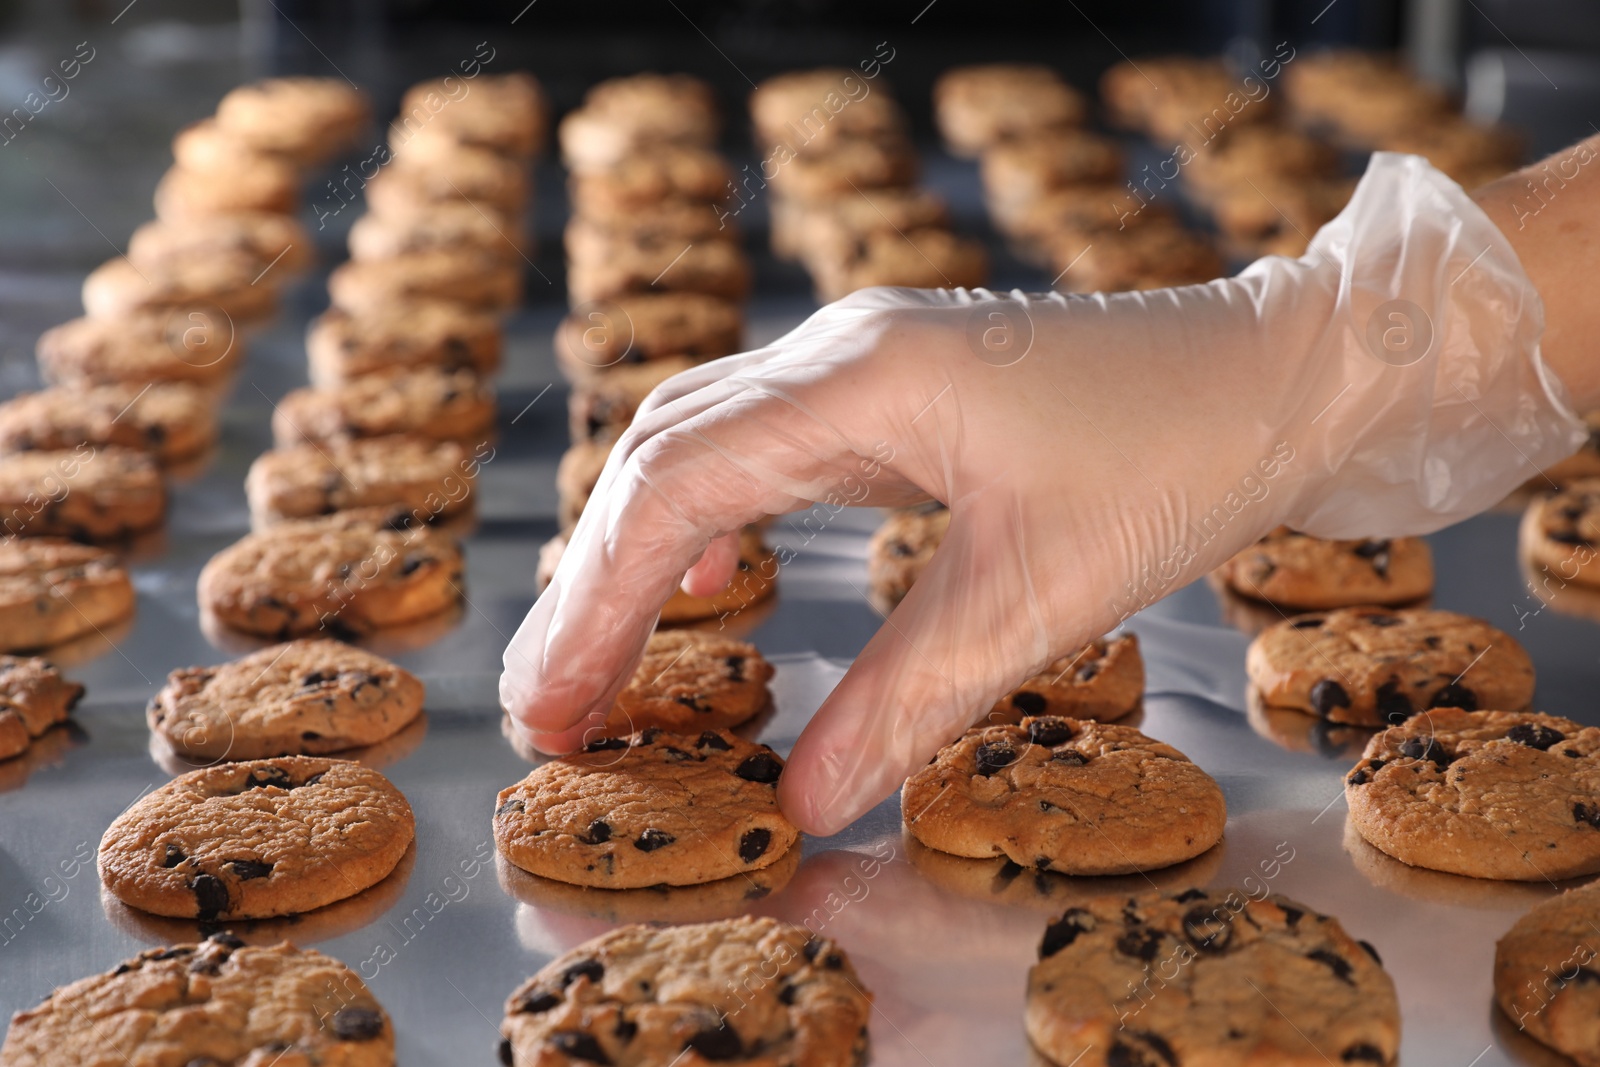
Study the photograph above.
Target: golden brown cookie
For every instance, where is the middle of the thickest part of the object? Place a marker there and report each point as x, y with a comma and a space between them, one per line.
219, 1001
819, 108
249, 185
1486, 794
651, 808
473, 279
475, 177
342, 346
53, 591
1293, 570
256, 839
117, 288
600, 408
921, 259
671, 224
431, 480
85, 494
33, 698
1373, 667
745, 990
307, 119
1025, 170
847, 167
637, 183
427, 402
196, 345
754, 582
1067, 795
902, 547
824, 231
439, 227
690, 681
624, 116
307, 697
1153, 256
715, 267
507, 113
1559, 533
271, 240
645, 326
978, 107
1546, 979
1103, 680
346, 573
171, 420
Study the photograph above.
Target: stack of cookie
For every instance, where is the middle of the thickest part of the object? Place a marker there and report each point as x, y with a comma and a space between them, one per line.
845, 204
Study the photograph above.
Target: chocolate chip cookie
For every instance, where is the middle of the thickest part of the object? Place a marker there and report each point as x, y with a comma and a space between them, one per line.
1546, 978
754, 581
53, 591
250, 184
342, 346
1293, 570
902, 547
1487, 794
117, 288
651, 808
1220, 976
1103, 680
344, 574
446, 226
85, 494
196, 345
819, 108
256, 839
826, 231
980, 106
746, 990
432, 480
308, 119
306, 697
637, 183
1153, 256
473, 279
1027, 169
427, 402
621, 117
1560, 532
1067, 795
33, 698
600, 408
504, 112
171, 420
846, 167
923, 259
219, 1001
1373, 667
690, 681
715, 267
669, 224
271, 240
640, 327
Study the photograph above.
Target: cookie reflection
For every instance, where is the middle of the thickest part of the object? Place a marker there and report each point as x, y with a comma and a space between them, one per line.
91, 645
381, 754
46, 750
1298, 732
388, 642
1439, 887
322, 924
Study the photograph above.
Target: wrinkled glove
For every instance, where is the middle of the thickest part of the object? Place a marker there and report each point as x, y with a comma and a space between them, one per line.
1097, 453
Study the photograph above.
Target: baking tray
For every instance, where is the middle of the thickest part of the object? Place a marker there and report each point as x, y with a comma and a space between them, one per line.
944, 945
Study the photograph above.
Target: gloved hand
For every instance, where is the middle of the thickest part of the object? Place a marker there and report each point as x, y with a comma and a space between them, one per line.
1096, 452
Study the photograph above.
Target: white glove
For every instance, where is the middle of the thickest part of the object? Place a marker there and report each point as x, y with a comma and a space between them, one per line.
1097, 453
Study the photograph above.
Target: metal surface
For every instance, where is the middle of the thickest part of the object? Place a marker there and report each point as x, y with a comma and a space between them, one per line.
445, 939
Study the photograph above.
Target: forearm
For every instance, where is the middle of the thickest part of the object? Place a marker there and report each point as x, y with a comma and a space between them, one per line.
1550, 212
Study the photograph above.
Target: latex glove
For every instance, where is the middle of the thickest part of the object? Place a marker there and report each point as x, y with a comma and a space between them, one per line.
1096, 452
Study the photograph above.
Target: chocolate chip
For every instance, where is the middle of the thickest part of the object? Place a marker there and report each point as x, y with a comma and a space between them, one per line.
1190, 894
606, 744
1393, 706
1381, 620
357, 1024
226, 940
676, 754
1376, 553
721, 1043
1071, 757
713, 740
1333, 961
1156, 1051
1141, 944
1207, 931
1327, 695
753, 845
692, 702
1308, 622
993, 755
1049, 732
786, 993
811, 949
648, 735
536, 1002
1029, 703
1572, 753
593, 970
413, 563
506, 1056
317, 678
763, 767
1371, 952
172, 856
598, 833
1564, 537
514, 804
577, 1045
246, 870
1087, 672
1432, 641
735, 665
1582, 812
1363, 775
210, 896
1534, 735
625, 1030
900, 550
1006, 874
262, 777
652, 839
1291, 916
1425, 748
1455, 696
1363, 1053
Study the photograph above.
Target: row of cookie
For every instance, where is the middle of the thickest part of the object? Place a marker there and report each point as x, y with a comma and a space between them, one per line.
835, 152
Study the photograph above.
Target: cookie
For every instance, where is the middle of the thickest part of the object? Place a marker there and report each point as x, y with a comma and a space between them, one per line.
624, 116
307, 119
670, 224
438, 227
476, 176
600, 408
1028, 169
195, 345
845, 168
426, 402
1559, 533
170, 420
715, 267
305, 697
85, 494
640, 327
256, 839
238, 1004
33, 698
1271, 206
1372, 667
507, 113
1162, 95
253, 184
1461, 148
1486, 794
1085, 210
921, 259
691, 681
651, 808
827, 230
1142, 257
269, 240
754, 582
342, 345
1208, 977
745, 990
476, 280
1103, 680
1545, 976
1246, 154
346, 573
430, 480
118, 288
902, 547
207, 145
1362, 98
576, 476
639, 182
1293, 570
817, 109
1067, 795
981, 106
53, 591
